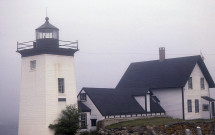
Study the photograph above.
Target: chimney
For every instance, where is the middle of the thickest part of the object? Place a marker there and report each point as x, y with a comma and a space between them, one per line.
162, 54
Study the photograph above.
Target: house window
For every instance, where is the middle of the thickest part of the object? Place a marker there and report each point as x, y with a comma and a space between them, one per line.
33, 64
84, 120
83, 97
196, 105
93, 122
205, 107
202, 83
61, 85
190, 84
189, 105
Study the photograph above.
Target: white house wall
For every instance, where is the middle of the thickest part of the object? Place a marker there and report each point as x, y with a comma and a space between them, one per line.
95, 114
141, 100
171, 101
196, 93
39, 104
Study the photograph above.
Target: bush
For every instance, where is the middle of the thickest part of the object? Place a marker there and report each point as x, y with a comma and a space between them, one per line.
68, 122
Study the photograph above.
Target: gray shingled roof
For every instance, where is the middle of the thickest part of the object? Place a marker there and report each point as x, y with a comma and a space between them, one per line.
170, 73
155, 107
208, 98
118, 102
83, 107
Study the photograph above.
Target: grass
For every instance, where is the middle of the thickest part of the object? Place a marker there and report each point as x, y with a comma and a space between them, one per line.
155, 121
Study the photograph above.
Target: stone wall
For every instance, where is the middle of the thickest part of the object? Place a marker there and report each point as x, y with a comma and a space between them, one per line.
207, 128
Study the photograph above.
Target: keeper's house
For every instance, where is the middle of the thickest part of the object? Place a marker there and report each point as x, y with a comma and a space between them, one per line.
177, 87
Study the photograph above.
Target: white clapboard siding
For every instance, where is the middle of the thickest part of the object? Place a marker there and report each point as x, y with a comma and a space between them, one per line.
141, 100
39, 104
171, 101
196, 93
94, 111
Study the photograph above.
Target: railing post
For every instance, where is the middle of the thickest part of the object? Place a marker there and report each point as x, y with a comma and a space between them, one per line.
17, 45
77, 44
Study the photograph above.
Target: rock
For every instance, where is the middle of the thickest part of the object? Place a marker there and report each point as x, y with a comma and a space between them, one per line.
124, 128
171, 129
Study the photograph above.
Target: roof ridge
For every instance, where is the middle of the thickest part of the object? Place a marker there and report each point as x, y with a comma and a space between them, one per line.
167, 59
173, 72
96, 88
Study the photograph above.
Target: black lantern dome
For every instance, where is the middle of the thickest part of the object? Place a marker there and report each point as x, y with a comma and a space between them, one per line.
47, 42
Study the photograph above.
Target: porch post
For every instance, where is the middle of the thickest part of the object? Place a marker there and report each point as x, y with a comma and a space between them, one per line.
210, 108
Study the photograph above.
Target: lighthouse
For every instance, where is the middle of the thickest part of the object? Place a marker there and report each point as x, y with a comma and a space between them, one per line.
48, 81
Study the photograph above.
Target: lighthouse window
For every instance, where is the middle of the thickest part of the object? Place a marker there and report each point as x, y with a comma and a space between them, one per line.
33, 64
61, 85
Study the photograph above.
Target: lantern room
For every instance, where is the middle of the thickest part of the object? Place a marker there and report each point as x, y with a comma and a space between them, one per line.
47, 42
47, 30
47, 35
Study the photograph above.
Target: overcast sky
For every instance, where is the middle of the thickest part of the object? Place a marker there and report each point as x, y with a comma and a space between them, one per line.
111, 35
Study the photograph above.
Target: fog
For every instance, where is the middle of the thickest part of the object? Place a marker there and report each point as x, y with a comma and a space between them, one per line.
111, 35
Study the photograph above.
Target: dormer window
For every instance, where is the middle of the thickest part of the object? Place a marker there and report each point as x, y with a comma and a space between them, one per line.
190, 84
202, 83
83, 97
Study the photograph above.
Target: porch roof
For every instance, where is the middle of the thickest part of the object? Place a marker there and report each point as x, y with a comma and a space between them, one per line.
208, 98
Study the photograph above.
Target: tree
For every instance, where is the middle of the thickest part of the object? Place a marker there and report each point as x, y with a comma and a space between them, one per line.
68, 122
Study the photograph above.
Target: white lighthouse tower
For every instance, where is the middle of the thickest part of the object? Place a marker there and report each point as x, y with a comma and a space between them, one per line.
47, 80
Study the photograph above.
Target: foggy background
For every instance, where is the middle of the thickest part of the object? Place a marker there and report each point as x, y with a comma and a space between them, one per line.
111, 35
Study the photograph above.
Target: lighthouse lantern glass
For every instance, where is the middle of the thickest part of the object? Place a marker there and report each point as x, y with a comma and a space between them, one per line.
47, 34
